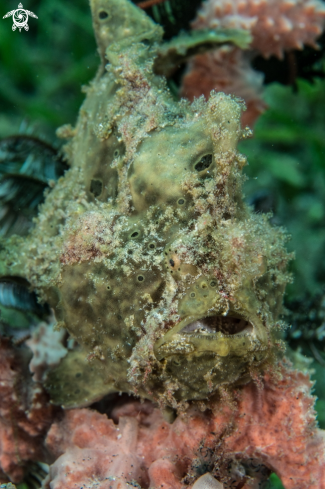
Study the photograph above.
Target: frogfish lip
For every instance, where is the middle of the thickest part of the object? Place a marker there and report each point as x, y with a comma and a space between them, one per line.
222, 334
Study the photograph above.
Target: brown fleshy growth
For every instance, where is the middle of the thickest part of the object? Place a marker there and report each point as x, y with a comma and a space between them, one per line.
268, 429
276, 25
25, 413
226, 70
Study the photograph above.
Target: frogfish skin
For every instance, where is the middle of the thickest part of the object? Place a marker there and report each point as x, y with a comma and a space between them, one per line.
167, 281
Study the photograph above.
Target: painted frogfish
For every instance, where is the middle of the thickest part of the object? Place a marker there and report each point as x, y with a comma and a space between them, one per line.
169, 284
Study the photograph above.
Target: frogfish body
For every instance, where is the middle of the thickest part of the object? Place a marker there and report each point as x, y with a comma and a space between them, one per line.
170, 285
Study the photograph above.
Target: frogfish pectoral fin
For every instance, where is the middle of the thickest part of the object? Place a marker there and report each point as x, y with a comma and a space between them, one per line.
78, 383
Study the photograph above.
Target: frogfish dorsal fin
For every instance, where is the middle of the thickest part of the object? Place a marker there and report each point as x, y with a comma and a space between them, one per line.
121, 22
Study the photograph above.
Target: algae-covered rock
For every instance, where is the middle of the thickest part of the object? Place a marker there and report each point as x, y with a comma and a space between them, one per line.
145, 249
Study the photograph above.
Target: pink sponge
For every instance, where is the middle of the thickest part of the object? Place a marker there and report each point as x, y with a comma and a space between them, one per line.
276, 25
273, 427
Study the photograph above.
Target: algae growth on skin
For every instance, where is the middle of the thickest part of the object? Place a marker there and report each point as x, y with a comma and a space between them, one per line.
167, 281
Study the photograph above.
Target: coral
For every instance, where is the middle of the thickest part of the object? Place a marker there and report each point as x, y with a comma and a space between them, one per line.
227, 70
48, 350
238, 444
92, 449
276, 25
281, 428
145, 248
25, 414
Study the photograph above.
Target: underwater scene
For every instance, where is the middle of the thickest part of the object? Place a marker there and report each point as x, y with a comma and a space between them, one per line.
162, 244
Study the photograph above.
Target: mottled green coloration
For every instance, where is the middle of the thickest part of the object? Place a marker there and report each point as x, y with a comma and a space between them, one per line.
181, 48
145, 249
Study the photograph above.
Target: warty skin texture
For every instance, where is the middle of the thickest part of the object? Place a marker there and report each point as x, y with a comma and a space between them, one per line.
145, 248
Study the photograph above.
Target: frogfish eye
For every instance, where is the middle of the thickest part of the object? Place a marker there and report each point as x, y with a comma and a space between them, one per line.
203, 163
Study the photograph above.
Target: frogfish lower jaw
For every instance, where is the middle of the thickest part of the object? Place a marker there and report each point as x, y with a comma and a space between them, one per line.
201, 353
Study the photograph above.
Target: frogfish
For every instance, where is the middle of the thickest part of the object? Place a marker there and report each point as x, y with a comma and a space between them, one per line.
169, 284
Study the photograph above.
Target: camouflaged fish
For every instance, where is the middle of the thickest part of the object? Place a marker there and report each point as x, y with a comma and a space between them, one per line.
145, 249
